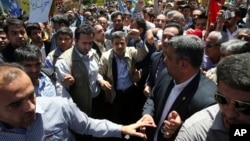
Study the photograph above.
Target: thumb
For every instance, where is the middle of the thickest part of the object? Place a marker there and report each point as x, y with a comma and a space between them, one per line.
173, 115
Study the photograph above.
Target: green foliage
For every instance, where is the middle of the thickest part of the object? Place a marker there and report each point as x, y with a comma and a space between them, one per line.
88, 2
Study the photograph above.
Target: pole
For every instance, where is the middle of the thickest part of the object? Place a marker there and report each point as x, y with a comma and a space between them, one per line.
208, 17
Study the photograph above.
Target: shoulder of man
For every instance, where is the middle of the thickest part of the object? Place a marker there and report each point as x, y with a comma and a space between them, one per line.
50, 73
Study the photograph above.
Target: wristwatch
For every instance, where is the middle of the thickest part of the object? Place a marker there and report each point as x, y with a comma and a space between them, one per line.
126, 136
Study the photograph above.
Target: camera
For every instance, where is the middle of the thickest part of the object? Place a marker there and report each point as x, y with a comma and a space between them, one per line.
228, 14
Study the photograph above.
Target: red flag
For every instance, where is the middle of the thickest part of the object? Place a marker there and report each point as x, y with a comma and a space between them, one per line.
213, 10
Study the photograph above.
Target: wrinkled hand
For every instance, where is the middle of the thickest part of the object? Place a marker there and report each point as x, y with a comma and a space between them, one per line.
131, 129
171, 124
68, 80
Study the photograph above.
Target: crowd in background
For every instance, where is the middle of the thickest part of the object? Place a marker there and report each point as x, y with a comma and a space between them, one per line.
130, 60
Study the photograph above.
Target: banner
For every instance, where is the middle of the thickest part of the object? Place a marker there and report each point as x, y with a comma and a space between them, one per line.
39, 10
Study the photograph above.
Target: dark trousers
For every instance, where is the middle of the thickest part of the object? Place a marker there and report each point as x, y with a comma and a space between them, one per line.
127, 105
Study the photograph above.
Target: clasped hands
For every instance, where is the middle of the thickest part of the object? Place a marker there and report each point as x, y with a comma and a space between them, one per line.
170, 125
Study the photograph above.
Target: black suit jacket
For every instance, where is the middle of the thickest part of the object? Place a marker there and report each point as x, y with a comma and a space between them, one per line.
197, 95
153, 65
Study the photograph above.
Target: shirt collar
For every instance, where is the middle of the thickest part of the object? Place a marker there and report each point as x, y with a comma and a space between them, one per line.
218, 123
89, 55
39, 109
185, 83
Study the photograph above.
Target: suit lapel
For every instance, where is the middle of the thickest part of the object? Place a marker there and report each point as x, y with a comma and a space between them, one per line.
164, 96
156, 62
187, 94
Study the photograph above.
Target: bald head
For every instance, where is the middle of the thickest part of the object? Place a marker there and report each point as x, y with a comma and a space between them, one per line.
10, 72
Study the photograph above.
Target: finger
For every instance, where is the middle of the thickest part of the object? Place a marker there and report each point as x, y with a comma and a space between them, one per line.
143, 129
141, 135
173, 115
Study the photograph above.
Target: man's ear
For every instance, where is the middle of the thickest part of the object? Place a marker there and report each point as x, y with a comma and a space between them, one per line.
184, 64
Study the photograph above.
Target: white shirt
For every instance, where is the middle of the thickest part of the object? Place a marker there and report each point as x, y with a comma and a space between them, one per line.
233, 34
175, 92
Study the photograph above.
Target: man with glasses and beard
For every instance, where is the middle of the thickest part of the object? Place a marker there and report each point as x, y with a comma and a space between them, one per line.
233, 108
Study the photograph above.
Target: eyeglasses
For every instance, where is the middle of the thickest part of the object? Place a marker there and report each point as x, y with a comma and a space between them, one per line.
209, 45
242, 107
243, 37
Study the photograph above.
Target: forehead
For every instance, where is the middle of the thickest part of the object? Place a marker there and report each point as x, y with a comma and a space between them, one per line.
15, 27
15, 89
118, 17
232, 93
35, 30
122, 39
102, 19
61, 35
86, 37
196, 12
161, 17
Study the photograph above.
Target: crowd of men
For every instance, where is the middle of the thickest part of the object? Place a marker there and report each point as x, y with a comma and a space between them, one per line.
127, 71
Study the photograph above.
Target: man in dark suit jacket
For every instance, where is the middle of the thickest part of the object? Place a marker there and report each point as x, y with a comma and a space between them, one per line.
156, 64
180, 90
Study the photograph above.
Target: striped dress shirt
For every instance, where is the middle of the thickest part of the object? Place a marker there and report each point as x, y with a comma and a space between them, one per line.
54, 117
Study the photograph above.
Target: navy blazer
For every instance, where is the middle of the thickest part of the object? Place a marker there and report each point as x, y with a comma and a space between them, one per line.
197, 95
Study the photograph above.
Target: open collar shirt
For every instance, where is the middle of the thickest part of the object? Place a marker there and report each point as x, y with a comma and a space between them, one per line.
54, 117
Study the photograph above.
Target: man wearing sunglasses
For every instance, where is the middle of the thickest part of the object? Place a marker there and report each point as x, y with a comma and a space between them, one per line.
212, 49
233, 108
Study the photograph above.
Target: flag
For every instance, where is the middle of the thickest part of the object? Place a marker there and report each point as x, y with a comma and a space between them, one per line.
15, 10
213, 10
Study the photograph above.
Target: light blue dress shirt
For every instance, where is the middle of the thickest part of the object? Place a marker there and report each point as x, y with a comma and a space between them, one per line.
123, 78
62, 68
54, 117
45, 87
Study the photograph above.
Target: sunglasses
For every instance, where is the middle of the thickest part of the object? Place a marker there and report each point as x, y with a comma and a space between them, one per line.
209, 45
242, 107
243, 37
